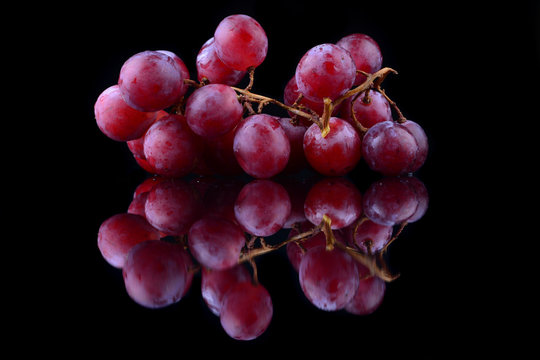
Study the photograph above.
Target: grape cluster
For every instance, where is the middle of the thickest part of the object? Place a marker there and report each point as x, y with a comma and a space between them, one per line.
337, 112
176, 226
175, 126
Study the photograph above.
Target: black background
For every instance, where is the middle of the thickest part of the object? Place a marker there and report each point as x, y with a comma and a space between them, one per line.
460, 66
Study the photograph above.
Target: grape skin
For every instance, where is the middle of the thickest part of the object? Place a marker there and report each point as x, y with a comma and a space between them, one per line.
216, 283
262, 207
369, 296
337, 153
329, 279
184, 71
117, 120
216, 243
170, 147
246, 311
151, 81
119, 233
156, 273
240, 42
173, 206
211, 67
336, 198
213, 110
368, 114
261, 146
365, 52
325, 71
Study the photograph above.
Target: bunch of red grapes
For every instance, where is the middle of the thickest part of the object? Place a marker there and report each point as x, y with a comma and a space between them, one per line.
175, 126
173, 131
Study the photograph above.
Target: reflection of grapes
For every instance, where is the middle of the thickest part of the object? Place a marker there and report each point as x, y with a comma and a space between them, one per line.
156, 273
368, 297
246, 311
216, 283
329, 279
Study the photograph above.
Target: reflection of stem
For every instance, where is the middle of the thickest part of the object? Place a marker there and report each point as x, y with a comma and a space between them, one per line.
265, 248
398, 232
370, 262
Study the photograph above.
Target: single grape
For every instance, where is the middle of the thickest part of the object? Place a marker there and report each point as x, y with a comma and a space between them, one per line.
183, 69
369, 296
170, 147
240, 42
336, 198
246, 311
393, 149
375, 110
390, 201
119, 233
173, 206
216, 283
261, 146
213, 110
262, 207
422, 197
365, 52
370, 237
329, 279
151, 81
325, 71
216, 243
210, 66
119, 121
156, 273
337, 153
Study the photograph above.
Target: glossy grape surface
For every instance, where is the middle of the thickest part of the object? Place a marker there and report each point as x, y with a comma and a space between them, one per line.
261, 146
337, 153
240, 42
325, 71
210, 66
151, 81
365, 52
376, 110
117, 120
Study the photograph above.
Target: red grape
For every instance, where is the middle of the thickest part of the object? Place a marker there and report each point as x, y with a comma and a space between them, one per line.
219, 154
390, 201
211, 67
368, 114
365, 52
183, 69
337, 153
119, 233
370, 237
369, 296
156, 273
213, 110
262, 207
216, 283
170, 146
240, 42
325, 71
421, 140
216, 243
151, 81
261, 146
422, 197
337, 198
393, 149
246, 311
329, 279
173, 206
117, 120
291, 93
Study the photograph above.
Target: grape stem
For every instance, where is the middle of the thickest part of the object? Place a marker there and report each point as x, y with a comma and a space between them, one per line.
373, 81
369, 261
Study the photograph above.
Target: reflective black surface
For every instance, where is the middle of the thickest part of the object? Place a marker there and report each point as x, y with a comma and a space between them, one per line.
441, 285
